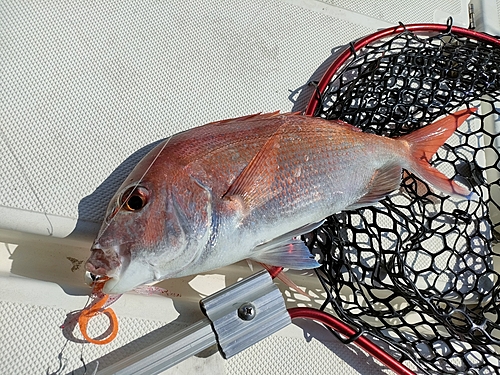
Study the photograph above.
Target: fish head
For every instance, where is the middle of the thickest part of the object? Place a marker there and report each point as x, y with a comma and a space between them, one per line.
149, 233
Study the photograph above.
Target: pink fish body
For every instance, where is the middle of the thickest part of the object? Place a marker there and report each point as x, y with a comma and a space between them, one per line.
243, 188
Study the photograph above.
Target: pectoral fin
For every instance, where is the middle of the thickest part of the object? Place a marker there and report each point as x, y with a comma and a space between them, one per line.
254, 184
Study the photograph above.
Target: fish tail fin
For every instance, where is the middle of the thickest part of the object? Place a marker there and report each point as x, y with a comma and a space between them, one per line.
425, 142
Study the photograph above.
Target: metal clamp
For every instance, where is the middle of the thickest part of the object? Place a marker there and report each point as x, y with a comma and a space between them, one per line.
239, 315
245, 313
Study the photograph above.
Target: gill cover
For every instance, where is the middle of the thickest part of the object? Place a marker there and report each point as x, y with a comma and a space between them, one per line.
191, 205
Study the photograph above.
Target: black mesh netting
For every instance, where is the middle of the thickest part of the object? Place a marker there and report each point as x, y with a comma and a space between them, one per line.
417, 271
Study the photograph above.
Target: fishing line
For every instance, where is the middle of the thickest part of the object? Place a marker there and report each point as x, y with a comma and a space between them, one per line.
131, 191
85, 368
83, 361
62, 362
96, 368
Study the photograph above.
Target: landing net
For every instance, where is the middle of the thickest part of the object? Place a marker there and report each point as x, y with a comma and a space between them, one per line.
419, 272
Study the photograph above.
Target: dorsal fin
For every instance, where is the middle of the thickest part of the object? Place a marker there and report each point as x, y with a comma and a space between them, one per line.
247, 117
345, 124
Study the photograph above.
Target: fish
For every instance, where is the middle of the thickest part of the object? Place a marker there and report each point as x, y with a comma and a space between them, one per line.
246, 188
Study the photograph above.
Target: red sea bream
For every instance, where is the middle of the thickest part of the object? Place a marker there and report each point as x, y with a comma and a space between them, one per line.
244, 188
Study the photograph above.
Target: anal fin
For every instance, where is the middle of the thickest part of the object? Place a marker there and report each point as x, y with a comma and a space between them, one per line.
286, 251
284, 278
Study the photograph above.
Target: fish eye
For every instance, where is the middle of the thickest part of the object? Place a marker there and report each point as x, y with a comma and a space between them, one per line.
135, 198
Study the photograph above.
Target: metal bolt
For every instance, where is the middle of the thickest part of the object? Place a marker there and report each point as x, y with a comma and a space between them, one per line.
246, 311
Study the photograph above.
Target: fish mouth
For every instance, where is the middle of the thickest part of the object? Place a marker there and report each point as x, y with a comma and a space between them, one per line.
124, 274
103, 262
130, 277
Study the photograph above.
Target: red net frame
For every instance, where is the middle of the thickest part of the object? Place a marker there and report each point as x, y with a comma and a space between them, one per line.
358, 45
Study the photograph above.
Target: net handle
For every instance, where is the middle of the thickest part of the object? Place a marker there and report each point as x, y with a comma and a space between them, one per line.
416, 28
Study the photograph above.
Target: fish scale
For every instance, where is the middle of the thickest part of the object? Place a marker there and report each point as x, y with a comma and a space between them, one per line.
245, 188
325, 183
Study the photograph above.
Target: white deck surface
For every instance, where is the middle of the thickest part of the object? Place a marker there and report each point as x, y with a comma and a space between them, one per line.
86, 88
